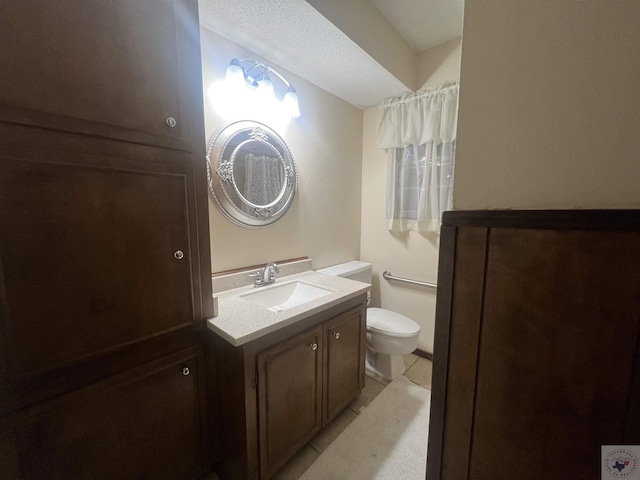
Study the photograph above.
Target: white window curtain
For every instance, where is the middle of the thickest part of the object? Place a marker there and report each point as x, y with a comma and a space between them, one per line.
419, 132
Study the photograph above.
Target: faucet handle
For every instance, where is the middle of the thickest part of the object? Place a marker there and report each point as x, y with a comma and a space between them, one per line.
273, 269
256, 274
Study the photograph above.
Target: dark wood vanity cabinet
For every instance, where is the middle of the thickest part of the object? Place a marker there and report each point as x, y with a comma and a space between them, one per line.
104, 241
537, 344
276, 392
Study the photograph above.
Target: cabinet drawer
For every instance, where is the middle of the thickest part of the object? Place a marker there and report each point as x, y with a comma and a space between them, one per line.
88, 260
148, 423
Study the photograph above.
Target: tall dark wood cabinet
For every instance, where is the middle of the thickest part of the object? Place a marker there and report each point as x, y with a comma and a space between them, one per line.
536, 355
104, 242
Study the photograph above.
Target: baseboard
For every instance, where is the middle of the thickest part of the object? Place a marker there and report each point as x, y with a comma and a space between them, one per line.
423, 354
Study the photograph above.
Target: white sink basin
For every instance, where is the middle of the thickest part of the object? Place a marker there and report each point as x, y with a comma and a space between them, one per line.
284, 296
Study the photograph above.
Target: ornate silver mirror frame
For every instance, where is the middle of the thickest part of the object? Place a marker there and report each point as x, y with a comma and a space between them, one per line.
251, 173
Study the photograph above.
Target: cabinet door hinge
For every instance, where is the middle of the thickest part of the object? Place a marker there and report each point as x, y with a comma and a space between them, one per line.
255, 380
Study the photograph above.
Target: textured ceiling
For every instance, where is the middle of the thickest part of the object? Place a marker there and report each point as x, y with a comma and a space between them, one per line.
423, 23
295, 36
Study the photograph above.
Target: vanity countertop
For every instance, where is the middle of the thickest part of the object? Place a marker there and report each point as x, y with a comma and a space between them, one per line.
240, 321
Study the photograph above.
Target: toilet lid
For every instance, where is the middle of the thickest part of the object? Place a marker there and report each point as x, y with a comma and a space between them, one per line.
391, 323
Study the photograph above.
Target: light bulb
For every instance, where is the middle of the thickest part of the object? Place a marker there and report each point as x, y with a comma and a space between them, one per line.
290, 103
235, 74
265, 88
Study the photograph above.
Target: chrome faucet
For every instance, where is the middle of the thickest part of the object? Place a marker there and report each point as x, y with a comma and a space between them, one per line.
266, 275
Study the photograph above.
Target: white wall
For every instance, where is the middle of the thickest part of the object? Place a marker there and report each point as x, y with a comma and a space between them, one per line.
549, 105
411, 254
326, 143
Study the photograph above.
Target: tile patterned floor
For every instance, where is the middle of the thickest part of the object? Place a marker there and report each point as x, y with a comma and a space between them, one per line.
420, 373
418, 370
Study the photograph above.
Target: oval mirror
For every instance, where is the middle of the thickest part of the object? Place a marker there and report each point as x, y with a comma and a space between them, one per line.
251, 173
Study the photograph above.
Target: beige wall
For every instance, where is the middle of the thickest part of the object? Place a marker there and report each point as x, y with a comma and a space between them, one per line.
440, 64
549, 105
411, 255
326, 142
367, 27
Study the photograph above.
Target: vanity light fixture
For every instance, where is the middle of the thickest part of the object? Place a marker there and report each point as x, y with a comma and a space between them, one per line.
251, 74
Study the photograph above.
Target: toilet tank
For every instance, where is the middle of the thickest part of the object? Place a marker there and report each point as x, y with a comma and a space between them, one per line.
355, 270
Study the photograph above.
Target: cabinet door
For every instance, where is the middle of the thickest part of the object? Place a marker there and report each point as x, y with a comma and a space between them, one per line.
536, 345
116, 69
289, 397
88, 260
144, 424
557, 346
343, 361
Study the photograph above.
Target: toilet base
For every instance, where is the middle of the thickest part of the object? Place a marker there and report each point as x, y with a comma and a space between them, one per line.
384, 366
371, 372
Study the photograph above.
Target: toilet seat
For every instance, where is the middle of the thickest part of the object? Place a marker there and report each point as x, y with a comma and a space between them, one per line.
391, 323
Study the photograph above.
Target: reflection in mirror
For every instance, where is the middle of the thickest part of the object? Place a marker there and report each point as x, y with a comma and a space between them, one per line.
258, 172
251, 173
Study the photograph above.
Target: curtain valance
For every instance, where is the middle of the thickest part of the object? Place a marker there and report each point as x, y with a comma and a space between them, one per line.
420, 117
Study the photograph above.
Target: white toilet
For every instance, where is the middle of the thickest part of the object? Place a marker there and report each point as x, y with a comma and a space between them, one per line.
390, 335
